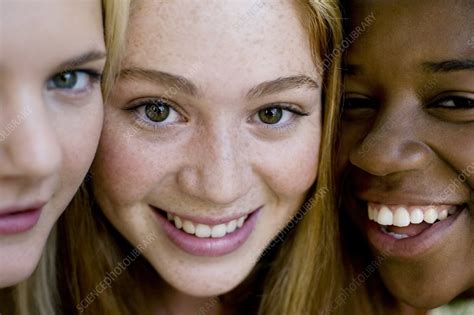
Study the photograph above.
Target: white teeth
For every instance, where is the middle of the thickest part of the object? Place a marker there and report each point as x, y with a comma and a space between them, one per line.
385, 216
231, 226
416, 216
443, 215
219, 231
372, 213
203, 230
188, 227
401, 217
395, 235
240, 222
178, 223
398, 236
431, 216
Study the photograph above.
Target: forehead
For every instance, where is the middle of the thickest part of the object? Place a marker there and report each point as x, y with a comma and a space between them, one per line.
411, 32
219, 39
37, 33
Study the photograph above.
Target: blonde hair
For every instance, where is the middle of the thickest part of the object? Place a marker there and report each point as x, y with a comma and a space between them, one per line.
304, 276
38, 294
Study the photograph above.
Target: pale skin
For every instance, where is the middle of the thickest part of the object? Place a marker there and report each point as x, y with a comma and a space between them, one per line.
408, 132
212, 155
50, 114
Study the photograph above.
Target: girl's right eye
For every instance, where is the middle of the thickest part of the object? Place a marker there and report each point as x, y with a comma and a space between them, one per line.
358, 107
351, 103
156, 112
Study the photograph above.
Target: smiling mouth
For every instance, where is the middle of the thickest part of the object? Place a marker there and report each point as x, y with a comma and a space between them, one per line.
201, 230
401, 221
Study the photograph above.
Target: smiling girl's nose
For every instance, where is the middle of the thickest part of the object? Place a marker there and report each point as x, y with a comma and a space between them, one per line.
391, 146
217, 171
30, 145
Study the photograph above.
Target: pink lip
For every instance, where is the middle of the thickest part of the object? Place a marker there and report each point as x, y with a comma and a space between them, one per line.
17, 220
412, 246
209, 247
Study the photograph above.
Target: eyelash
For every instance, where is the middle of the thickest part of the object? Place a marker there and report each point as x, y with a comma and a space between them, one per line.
141, 119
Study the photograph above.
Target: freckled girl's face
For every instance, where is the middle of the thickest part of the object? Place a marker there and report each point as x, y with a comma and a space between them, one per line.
211, 137
51, 57
408, 144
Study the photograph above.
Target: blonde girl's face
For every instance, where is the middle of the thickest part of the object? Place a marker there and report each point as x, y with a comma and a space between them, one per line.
211, 137
51, 57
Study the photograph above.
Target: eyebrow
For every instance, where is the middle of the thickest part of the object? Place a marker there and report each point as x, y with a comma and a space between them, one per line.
84, 58
282, 84
262, 89
435, 67
161, 78
449, 65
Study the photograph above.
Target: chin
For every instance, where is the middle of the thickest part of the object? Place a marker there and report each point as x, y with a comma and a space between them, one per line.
14, 272
422, 292
203, 280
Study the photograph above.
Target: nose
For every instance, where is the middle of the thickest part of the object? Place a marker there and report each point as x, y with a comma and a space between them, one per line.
216, 171
391, 146
30, 146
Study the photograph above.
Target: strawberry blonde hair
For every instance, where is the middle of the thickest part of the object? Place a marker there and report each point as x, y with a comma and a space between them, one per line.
299, 276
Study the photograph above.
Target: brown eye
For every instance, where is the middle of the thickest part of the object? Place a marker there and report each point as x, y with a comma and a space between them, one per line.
271, 115
157, 112
455, 102
355, 108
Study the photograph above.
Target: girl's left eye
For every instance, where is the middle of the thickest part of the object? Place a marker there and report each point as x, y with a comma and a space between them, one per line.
454, 102
74, 80
274, 115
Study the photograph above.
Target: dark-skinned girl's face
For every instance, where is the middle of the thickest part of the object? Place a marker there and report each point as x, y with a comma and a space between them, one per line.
407, 144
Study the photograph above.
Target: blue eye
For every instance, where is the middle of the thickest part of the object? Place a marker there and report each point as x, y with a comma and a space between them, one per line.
75, 80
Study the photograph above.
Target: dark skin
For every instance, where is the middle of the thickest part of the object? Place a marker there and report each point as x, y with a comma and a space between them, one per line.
408, 132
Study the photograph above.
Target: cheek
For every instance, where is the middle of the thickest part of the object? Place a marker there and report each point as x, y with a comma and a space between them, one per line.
125, 168
290, 168
79, 133
455, 145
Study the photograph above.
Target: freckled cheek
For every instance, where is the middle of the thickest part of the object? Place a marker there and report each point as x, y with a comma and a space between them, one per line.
127, 169
290, 170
